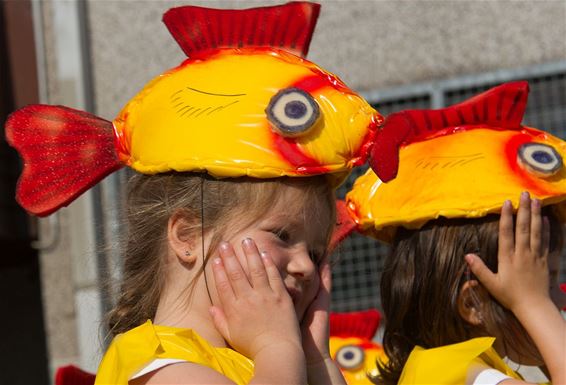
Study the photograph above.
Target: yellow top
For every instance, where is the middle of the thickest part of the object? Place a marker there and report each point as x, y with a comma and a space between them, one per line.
133, 350
449, 364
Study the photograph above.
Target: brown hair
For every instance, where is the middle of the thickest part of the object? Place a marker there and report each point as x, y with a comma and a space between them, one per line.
421, 283
151, 201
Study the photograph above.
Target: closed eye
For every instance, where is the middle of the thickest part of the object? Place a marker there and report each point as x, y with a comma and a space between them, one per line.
282, 234
193, 103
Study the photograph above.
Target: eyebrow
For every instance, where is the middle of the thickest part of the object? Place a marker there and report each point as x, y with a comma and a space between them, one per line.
212, 93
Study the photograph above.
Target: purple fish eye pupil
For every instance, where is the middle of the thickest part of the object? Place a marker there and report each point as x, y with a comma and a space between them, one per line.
295, 109
349, 355
543, 157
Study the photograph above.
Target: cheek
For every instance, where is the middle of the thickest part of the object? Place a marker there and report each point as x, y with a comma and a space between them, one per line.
313, 286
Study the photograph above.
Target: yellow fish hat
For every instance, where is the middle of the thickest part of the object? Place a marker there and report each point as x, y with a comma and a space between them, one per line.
245, 103
352, 346
463, 161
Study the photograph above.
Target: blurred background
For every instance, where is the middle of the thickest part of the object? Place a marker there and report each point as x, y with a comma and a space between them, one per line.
57, 274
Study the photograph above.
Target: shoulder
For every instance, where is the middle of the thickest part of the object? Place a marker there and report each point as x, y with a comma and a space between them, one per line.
446, 364
481, 374
186, 373
160, 351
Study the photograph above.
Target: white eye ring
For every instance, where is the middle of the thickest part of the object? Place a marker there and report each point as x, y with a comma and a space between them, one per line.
292, 112
350, 356
539, 159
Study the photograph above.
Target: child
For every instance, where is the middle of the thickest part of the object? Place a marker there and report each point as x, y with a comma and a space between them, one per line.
454, 169
431, 301
167, 279
245, 139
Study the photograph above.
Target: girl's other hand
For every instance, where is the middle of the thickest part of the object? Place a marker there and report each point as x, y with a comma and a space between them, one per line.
255, 313
522, 276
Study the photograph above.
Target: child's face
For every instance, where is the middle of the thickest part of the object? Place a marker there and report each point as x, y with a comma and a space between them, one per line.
295, 241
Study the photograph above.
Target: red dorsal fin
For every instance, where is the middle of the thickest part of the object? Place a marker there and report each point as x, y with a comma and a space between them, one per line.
289, 26
500, 108
361, 324
64, 151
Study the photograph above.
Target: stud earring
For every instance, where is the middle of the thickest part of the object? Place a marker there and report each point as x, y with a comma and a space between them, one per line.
187, 253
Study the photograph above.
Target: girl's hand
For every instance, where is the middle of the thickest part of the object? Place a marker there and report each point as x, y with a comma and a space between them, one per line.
254, 313
321, 369
522, 276
521, 282
314, 328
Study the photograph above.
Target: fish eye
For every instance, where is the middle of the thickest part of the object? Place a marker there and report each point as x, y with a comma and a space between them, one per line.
292, 112
540, 159
350, 356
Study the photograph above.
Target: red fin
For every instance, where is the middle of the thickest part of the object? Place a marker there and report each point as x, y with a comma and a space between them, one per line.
64, 151
345, 225
501, 107
71, 375
361, 324
289, 26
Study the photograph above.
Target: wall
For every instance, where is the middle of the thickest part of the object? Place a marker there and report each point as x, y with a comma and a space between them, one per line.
369, 44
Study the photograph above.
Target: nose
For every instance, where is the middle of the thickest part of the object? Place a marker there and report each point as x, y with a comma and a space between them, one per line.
301, 265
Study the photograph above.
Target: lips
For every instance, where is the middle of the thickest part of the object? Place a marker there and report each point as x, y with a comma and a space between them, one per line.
295, 294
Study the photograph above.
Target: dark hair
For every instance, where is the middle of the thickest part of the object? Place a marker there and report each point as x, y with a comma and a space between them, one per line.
153, 199
421, 282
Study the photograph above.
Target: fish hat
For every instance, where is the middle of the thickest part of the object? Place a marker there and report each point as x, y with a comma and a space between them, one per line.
463, 161
352, 347
246, 102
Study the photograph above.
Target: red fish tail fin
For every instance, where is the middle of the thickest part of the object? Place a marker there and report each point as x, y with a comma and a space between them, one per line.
501, 107
345, 225
64, 152
71, 375
289, 27
361, 324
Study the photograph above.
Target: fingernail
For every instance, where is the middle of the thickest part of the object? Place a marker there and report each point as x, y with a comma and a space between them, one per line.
535, 203
263, 254
507, 204
469, 258
223, 246
217, 261
524, 195
248, 242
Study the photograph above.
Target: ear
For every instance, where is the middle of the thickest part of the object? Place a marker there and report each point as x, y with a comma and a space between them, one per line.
470, 303
180, 239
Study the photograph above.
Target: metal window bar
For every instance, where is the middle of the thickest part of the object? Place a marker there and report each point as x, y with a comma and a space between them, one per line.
358, 262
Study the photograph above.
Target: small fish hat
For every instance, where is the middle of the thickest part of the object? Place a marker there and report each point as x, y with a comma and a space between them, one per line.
352, 346
245, 103
463, 161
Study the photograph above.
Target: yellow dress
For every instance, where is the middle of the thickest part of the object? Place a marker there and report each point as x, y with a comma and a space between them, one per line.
449, 364
133, 350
